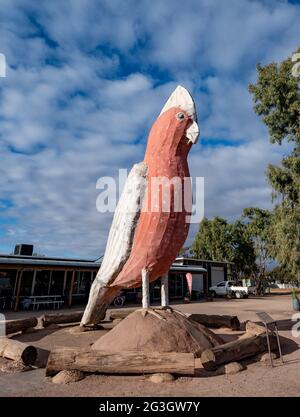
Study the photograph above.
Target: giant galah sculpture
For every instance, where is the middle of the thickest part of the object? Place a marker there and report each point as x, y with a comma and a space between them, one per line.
145, 237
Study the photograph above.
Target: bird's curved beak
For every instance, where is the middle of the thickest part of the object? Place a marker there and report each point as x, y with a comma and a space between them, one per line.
182, 99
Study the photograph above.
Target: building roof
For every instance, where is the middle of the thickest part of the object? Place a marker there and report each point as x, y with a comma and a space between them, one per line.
182, 259
39, 261
187, 268
32, 261
54, 258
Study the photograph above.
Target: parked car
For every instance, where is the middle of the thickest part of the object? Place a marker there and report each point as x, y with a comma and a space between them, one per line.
229, 288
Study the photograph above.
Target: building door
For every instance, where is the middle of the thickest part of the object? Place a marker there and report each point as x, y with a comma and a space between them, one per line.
217, 275
176, 285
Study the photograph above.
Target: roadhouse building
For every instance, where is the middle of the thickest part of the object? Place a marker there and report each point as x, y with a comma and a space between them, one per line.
62, 281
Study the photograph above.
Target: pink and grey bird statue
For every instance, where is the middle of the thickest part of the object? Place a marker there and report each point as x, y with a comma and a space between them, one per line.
145, 235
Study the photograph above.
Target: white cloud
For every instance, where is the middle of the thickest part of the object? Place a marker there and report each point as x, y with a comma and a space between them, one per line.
85, 81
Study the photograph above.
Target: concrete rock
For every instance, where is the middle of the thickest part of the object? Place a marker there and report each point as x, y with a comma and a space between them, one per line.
66, 377
265, 357
160, 377
233, 368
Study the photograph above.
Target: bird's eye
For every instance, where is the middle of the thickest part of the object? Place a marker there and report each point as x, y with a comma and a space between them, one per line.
180, 116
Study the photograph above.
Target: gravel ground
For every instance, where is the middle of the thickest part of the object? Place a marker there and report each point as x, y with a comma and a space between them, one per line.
258, 379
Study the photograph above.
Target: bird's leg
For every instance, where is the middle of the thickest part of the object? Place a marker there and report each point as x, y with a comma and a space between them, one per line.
165, 290
146, 296
145, 289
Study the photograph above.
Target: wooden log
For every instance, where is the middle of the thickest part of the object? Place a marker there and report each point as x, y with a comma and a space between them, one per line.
236, 350
18, 351
14, 326
120, 362
61, 318
215, 321
120, 314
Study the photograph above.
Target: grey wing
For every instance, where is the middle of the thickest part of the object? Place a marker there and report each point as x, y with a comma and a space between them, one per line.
120, 238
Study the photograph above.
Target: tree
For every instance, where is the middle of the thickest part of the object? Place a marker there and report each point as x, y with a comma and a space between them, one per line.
242, 251
285, 234
259, 223
277, 101
221, 241
279, 274
212, 240
276, 96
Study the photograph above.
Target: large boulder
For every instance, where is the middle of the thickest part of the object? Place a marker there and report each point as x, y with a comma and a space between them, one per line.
158, 330
160, 378
68, 376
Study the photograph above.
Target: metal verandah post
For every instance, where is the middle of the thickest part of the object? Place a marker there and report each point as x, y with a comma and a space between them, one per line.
18, 289
71, 288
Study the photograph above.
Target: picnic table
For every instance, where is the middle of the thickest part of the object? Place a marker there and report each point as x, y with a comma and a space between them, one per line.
54, 300
45, 300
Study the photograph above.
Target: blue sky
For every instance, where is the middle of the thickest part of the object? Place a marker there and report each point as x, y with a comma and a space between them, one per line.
85, 81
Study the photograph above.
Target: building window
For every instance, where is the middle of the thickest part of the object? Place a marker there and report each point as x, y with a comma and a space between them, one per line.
81, 286
155, 290
177, 285
42, 283
26, 283
84, 282
68, 283
7, 284
57, 282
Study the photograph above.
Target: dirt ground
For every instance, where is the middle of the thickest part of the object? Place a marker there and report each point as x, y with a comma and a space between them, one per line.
258, 379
